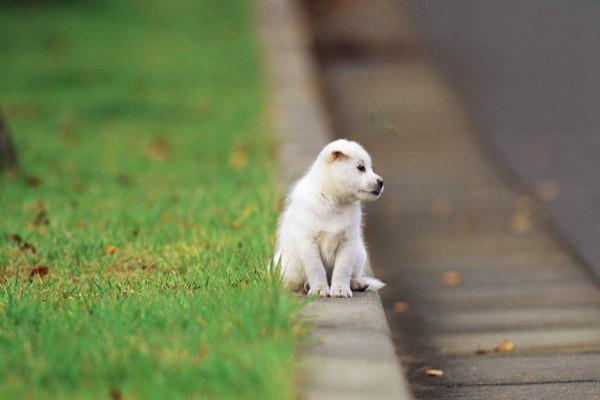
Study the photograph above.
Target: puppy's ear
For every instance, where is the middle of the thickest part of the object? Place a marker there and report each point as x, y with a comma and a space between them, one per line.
336, 155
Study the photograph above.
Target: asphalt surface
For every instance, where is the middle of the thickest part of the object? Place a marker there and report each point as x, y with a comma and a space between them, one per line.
482, 300
529, 72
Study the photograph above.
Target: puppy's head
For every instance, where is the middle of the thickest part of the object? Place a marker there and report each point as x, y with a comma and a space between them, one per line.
349, 172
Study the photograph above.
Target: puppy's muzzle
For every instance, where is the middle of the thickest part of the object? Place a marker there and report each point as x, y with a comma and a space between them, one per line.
378, 191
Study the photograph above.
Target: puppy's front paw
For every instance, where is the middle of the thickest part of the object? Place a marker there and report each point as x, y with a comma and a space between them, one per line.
321, 291
340, 291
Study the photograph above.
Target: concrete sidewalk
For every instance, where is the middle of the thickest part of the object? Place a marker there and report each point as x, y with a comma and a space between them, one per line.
467, 255
351, 355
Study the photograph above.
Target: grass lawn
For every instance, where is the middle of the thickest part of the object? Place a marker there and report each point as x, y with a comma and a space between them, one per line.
147, 193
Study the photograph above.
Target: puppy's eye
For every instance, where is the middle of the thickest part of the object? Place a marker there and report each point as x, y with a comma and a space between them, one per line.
361, 168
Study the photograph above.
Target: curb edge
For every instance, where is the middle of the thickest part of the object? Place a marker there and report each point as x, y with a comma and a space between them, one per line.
352, 355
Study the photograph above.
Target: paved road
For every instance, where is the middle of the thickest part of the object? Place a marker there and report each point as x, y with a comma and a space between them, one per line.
530, 74
468, 260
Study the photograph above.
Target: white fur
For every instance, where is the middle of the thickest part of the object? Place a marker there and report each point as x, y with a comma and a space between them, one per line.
320, 232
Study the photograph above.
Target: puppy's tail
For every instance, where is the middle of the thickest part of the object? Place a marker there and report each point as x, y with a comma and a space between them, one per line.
374, 283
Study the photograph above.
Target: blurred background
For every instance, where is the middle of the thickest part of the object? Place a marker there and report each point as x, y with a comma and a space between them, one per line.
529, 72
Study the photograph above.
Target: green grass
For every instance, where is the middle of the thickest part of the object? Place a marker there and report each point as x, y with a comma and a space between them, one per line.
139, 125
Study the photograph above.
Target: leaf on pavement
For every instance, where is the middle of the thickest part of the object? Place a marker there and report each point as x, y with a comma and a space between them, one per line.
547, 190
452, 279
520, 223
505, 347
434, 372
401, 307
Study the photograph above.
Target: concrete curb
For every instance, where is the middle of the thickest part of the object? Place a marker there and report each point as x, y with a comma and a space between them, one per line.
352, 355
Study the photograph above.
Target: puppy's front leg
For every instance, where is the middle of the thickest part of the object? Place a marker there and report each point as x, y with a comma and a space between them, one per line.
342, 270
314, 269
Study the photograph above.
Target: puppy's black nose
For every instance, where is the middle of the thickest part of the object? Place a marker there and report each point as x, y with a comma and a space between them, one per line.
380, 182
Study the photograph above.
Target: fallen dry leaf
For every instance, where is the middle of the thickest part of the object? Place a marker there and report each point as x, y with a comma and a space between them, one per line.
401, 307
452, 279
22, 244
115, 394
434, 372
110, 249
483, 351
160, 149
547, 190
202, 352
505, 347
166, 217
239, 157
123, 179
441, 207
41, 218
33, 181
78, 187
520, 223
40, 270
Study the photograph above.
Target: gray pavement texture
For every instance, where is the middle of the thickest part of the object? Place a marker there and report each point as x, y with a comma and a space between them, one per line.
351, 355
468, 256
529, 73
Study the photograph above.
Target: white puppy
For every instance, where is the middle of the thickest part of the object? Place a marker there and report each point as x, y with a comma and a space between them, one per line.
320, 232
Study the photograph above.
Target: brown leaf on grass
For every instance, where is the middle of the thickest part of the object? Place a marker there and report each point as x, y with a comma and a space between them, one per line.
202, 352
22, 244
111, 249
39, 205
78, 187
452, 279
41, 218
239, 157
547, 190
401, 307
505, 347
123, 179
40, 270
166, 217
160, 149
115, 394
434, 372
33, 181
